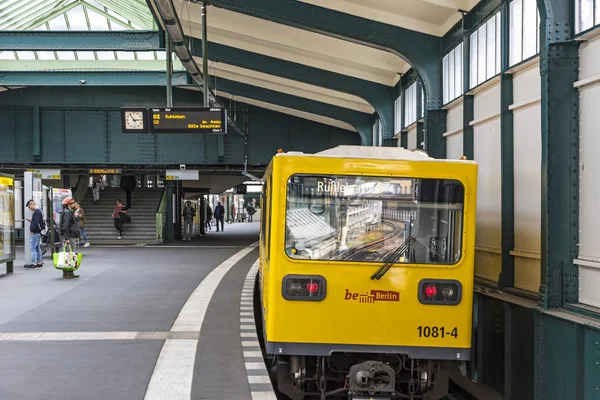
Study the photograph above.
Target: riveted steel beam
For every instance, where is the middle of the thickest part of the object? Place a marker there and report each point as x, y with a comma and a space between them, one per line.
380, 97
360, 121
559, 69
80, 40
421, 50
90, 78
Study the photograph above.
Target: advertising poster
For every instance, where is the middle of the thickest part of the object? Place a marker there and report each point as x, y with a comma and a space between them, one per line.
58, 195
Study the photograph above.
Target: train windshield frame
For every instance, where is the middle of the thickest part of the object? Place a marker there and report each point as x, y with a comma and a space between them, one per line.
366, 219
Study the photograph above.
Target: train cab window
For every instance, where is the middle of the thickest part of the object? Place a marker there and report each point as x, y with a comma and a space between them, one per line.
374, 219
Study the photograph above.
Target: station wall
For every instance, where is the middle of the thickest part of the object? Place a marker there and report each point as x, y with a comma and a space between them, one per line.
589, 173
526, 109
83, 126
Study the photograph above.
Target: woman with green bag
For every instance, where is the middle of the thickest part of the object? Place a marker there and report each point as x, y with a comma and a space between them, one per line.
67, 260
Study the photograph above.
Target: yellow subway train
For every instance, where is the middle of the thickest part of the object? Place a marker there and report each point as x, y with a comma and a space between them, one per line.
366, 272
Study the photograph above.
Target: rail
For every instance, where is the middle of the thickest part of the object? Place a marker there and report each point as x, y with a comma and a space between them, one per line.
81, 188
161, 217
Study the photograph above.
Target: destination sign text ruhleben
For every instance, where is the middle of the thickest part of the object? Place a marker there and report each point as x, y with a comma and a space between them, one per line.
188, 120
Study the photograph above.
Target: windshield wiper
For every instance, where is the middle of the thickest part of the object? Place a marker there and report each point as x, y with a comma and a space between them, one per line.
391, 259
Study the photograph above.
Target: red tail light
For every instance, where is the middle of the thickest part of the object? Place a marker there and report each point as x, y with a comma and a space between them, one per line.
304, 287
440, 292
430, 291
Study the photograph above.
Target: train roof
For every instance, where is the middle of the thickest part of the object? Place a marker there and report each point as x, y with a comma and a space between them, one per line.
373, 152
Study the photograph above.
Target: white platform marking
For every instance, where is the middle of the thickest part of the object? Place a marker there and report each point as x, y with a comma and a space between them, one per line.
174, 369
247, 331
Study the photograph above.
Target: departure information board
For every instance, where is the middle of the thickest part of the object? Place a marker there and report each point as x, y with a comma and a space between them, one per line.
188, 120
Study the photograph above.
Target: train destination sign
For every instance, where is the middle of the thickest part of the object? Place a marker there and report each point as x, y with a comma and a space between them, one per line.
188, 120
106, 171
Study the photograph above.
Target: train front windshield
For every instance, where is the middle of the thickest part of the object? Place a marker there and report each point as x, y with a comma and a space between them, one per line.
370, 219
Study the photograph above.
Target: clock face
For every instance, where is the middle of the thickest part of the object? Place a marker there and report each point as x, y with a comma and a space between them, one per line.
134, 120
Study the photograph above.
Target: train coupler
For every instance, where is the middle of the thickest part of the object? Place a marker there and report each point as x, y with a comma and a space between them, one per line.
371, 380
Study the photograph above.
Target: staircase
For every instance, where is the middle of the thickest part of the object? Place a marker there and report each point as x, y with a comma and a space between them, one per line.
99, 225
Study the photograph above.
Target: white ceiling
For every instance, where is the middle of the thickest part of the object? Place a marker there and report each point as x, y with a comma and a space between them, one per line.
300, 46
292, 44
434, 17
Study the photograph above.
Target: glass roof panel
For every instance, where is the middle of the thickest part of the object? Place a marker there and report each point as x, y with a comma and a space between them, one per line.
26, 55
59, 23
86, 55
77, 20
7, 55
46, 55
106, 55
97, 22
77, 15
125, 55
145, 55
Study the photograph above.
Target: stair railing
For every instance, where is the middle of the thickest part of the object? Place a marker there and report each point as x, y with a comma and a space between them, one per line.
161, 217
81, 188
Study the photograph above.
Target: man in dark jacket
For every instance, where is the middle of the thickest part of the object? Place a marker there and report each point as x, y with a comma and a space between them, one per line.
128, 183
36, 225
220, 216
69, 228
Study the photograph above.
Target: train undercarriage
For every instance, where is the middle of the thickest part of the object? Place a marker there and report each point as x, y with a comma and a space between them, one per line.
359, 376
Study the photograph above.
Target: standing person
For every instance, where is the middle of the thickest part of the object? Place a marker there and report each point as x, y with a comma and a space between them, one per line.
219, 216
188, 220
96, 185
36, 226
69, 229
118, 212
128, 183
209, 215
80, 214
250, 211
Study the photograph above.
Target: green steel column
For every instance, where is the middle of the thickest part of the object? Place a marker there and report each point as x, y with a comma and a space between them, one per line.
559, 68
468, 100
435, 127
169, 74
404, 139
507, 275
420, 125
37, 133
170, 204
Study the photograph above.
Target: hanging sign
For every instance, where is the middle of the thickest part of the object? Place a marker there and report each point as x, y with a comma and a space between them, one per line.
46, 173
188, 120
179, 175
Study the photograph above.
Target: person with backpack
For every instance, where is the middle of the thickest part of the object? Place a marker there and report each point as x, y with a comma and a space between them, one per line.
250, 210
220, 216
36, 226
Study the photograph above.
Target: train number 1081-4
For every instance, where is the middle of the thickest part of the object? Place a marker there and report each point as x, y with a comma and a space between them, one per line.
437, 332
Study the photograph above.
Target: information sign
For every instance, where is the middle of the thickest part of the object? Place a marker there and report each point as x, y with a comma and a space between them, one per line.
47, 173
179, 175
106, 171
188, 120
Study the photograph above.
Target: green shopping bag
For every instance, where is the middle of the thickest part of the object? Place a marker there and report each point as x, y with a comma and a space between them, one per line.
67, 260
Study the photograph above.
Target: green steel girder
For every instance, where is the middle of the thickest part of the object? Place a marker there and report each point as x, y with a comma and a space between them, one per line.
379, 96
360, 121
559, 69
421, 50
80, 40
90, 78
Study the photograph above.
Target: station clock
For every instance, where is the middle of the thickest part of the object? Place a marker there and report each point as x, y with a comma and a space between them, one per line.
134, 120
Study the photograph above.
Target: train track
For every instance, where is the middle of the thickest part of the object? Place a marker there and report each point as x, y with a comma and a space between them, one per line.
363, 248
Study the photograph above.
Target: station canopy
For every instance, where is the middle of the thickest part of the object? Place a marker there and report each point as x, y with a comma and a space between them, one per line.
79, 15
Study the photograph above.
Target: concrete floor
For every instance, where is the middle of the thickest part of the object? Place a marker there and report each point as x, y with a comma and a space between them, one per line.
123, 291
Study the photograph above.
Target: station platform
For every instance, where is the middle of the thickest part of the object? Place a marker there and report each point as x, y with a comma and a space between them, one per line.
170, 321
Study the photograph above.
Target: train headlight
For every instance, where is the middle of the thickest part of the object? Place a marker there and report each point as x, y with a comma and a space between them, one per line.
304, 287
440, 292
